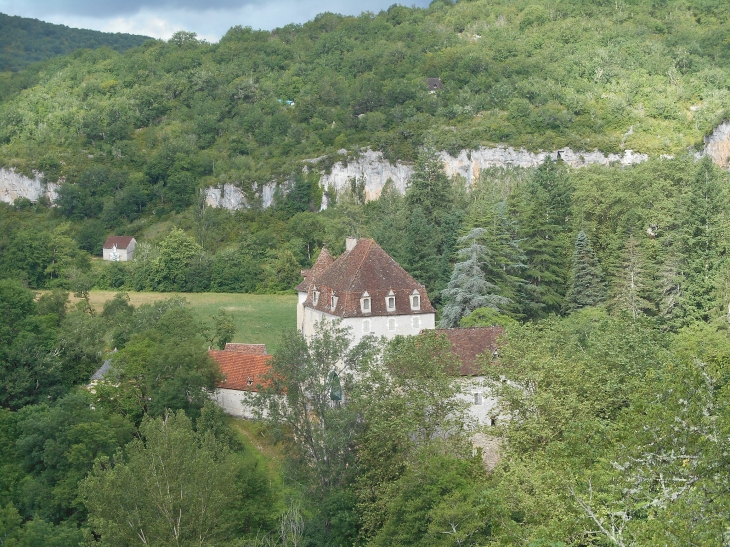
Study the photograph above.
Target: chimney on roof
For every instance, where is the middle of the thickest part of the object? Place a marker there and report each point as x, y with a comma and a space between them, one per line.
350, 243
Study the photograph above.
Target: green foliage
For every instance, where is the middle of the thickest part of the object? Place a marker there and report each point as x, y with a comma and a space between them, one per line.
30, 369
587, 287
223, 328
487, 317
163, 367
57, 446
131, 496
468, 288
26, 41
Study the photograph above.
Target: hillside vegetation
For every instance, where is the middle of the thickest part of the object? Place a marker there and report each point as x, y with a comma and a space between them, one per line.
170, 117
24, 41
611, 283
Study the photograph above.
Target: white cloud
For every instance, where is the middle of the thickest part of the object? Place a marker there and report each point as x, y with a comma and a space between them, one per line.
209, 23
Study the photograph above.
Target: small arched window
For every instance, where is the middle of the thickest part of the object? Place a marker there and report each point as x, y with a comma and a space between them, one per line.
333, 302
415, 300
315, 296
365, 303
390, 301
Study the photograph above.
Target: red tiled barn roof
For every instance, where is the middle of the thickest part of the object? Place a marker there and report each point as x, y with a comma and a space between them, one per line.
468, 343
366, 267
323, 262
242, 371
122, 242
252, 349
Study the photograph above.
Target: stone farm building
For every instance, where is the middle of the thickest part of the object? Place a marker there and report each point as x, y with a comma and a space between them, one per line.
243, 366
475, 347
119, 248
367, 290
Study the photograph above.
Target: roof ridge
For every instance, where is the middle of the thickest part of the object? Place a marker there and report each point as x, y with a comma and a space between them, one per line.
359, 266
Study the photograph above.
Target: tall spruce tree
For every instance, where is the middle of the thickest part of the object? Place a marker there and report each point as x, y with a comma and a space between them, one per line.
587, 286
506, 260
702, 238
428, 187
542, 207
420, 250
468, 288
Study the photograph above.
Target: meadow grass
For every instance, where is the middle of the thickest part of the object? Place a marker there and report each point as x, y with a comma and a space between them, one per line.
259, 318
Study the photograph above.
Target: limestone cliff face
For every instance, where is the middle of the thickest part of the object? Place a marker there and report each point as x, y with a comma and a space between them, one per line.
374, 170
14, 185
371, 168
717, 145
232, 197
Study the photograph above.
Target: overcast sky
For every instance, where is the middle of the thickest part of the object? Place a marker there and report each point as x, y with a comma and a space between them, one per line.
210, 19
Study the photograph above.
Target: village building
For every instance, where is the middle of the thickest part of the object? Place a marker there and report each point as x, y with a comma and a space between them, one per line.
475, 347
119, 248
243, 367
366, 290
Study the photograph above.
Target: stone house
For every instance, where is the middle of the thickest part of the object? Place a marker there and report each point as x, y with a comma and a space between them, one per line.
243, 366
119, 248
367, 290
473, 347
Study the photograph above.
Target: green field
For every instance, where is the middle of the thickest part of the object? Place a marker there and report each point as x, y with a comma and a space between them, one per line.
259, 318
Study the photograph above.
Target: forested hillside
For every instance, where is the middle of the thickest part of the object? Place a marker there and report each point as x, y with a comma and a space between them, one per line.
24, 41
611, 283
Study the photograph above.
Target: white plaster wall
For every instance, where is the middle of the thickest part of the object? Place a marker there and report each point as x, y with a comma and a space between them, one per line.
232, 401
124, 256
301, 297
482, 414
378, 325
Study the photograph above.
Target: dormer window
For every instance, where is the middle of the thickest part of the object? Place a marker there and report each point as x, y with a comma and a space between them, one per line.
365, 303
390, 301
333, 302
415, 301
315, 296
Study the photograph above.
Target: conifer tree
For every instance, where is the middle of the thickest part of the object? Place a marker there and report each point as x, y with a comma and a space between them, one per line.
506, 260
429, 188
587, 287
420, 250
542, 208
468, 288
702, 239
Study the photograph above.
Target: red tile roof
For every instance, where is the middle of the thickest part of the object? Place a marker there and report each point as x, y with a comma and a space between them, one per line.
242, 371
366, 268
468, 343
252, 349
323, 262
122, 242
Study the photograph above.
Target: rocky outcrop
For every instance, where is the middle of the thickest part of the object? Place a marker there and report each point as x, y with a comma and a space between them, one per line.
14, 185
469, 163
232, 197
371, 168
374, 170
717, 145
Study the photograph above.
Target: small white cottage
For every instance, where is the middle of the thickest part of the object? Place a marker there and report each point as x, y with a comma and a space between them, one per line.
119, 248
